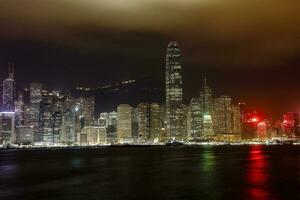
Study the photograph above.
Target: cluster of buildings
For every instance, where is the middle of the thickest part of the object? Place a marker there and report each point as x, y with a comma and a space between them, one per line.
49, 118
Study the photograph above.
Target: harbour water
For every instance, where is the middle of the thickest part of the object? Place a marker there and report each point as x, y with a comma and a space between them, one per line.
204, 172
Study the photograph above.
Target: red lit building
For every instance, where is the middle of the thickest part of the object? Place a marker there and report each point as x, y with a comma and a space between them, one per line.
249, 125
290, 122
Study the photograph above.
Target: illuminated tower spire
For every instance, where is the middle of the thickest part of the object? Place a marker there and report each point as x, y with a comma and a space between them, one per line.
206, 103
8, 96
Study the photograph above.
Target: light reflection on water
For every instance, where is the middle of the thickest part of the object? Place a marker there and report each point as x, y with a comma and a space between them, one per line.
246, 172
258, 174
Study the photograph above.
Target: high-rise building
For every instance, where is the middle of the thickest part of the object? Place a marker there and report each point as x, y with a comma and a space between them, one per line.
24, 134
144, 121
196, 118
19, 109
155, 122
206, 104
236, 119
7, 127
174, 92
34, 110
189, 123
222, 116
68, 134
93, 135
103, 120
290, 122
112, 127
124, 124
9, 91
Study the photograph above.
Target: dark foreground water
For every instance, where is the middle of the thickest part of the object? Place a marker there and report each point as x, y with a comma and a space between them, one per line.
241, 172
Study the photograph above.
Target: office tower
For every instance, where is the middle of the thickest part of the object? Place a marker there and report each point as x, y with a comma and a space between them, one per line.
189, 123
86, 105
68, 134
34, 109
112, 118
9, 90
93, 135
19, 109
243, 111
236, 119
103, 120
112, 127
185, 110
223, 115
144, 121
124, 124
206, 104
163, 121
46, 120
290, 122
249, 128
155, 122
24, 134
174, 92
50, 122
262, 130
196, 118
135, 124
7, 127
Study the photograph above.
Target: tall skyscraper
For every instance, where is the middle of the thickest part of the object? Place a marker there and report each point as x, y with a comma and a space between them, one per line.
236, 119
155, 121
7, 127
174, 92
125, 121
196, 118
19, 109
34, 109
223, 115
206, 104
144, 121
9, 91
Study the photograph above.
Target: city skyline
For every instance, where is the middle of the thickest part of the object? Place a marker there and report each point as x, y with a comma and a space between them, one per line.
149, 99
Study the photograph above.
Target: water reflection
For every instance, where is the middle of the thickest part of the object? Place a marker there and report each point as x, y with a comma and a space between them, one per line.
208, 173
257, 174
208, 160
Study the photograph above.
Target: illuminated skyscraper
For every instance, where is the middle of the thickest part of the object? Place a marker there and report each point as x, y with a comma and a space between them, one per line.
206, 104
125, 121
174, 109
9, 91
19, 109
144, 121
290, 122
236, 119
7, 127
155, 121
34, 109
223, 115
196, 118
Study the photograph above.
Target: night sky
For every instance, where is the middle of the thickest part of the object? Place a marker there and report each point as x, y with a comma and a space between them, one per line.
248, 49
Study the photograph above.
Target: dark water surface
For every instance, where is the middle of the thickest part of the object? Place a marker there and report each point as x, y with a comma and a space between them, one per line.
239, 172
